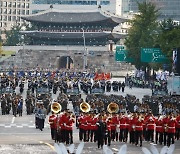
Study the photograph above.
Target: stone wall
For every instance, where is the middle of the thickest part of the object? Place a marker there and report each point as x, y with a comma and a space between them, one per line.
98, 60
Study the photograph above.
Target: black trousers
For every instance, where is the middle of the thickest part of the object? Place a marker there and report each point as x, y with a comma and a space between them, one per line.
53, 133
108, 138
139, 137
93, 136
170, 139
58, 136
159, 137
41, 124
165, 138
113, 134
20, 112
132, 137
69, 136
85, 135
145, 135
123, 135
37, 122
100, 139
80, 134
150, 135
63, 135
177, 133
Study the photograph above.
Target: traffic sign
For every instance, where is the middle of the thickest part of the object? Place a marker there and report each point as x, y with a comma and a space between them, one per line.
152, 55
121, 54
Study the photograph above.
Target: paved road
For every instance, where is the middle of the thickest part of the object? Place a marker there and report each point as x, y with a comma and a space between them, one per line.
19, 135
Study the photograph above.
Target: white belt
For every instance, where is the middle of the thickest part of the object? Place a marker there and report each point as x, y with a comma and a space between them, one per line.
123, 124
139, 126
171, 127
159, 126
151, 124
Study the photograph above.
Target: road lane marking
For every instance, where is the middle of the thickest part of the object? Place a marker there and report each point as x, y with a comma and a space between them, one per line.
52, 147
24, 133
8, 126
19, 126
13, 120
115, 149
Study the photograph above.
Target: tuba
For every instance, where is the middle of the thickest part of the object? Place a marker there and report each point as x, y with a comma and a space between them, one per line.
85, 107
56, 107
113, 108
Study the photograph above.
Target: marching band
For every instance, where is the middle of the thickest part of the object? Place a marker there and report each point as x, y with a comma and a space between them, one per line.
106, 127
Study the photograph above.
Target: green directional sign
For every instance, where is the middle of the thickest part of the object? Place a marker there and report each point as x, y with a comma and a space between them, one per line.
121, 54
152, 55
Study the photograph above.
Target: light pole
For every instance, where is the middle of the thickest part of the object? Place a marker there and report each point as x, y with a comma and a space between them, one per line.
85, 55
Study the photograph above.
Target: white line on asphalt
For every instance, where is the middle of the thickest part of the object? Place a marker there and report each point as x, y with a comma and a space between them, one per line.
19, 126
7, 126
13, 120
24, 133
114, 149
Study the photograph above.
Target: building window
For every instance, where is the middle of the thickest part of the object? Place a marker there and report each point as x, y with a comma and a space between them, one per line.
10, 4
5, 11
5, 4
5, 18
27, 5
23, 12
27, 12
14, 18
18, 12
14, 11
104, 2
14, 4
9, 18
9, 12
19, 5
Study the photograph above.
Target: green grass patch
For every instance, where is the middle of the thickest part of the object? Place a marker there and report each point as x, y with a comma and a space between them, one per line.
8, 53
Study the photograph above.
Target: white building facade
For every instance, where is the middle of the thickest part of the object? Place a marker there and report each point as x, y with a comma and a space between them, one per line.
11, 12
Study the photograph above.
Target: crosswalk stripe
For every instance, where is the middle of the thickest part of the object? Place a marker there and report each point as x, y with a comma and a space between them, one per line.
7, 126
19, 126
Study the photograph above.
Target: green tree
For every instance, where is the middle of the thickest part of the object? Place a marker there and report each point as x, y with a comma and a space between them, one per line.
1, 49
169, 36
13, 36
143, 33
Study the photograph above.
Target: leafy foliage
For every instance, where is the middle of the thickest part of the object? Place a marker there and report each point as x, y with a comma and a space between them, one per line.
169, 36
1, 49
13, 37
143, 33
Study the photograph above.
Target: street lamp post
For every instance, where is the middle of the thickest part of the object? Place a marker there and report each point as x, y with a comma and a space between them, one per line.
85, 55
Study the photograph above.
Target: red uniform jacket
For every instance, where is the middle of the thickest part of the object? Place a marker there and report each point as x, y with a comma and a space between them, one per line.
69, 124
84, 122
132, 124
171, 126
114, 122
165, 121
150, 124
108, 123
123, 123
80, 122
93, 124
178, 122
139, 125
62, 121
53, 121
159, 126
